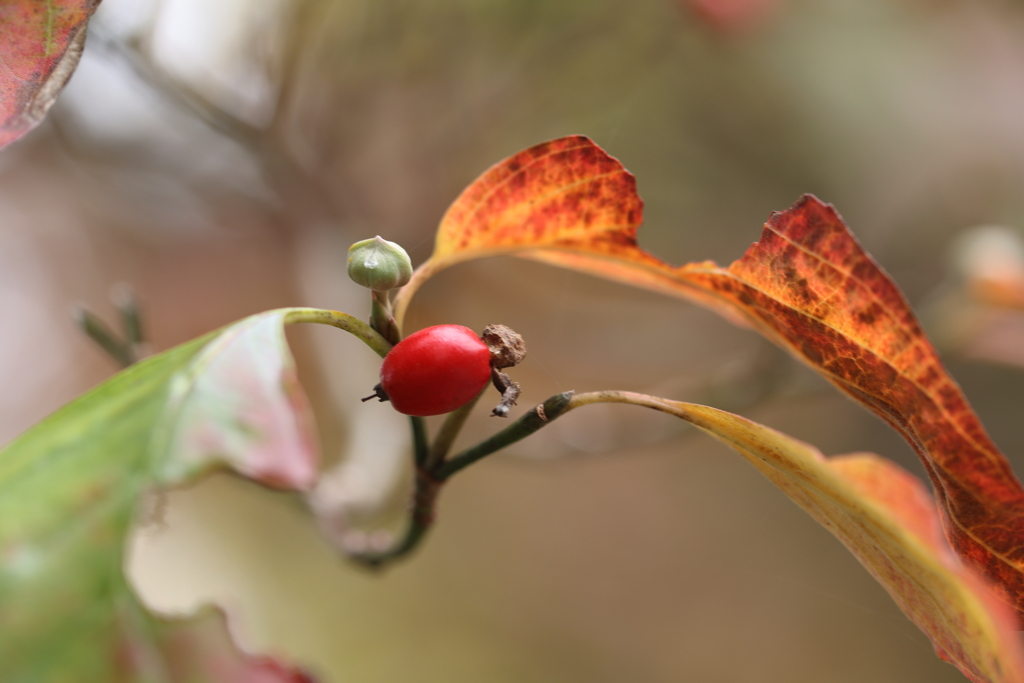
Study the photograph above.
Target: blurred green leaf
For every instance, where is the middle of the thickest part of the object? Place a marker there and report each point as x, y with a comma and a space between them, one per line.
70, 486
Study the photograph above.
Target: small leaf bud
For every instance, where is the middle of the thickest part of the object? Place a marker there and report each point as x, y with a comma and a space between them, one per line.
378, 264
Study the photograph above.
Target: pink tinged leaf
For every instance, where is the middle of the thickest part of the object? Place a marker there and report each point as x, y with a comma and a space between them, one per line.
240, 403
200, 649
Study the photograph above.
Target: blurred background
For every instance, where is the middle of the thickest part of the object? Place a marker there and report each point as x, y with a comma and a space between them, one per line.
221, 155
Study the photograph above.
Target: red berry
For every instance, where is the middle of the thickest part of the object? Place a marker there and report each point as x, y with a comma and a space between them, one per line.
436, 370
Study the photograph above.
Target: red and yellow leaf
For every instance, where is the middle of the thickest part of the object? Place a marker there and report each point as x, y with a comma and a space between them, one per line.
811, 286
42, 42
807, 284
887, 519
567, 193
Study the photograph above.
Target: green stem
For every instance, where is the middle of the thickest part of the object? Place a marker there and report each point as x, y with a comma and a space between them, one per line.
541, 415
614, 396
421, 446
432, 470
343, 321
420, 521
430, 480
426, 486
380, 317
410, 541
414, 533
448, 433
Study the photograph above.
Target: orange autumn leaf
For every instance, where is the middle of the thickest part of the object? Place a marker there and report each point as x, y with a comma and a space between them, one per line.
887, 519
566, 192
807, 284
42, 42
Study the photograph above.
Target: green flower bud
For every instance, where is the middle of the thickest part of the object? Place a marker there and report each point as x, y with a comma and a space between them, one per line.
378, 264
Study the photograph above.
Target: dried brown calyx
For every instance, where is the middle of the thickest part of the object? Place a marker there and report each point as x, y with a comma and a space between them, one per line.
507, 350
